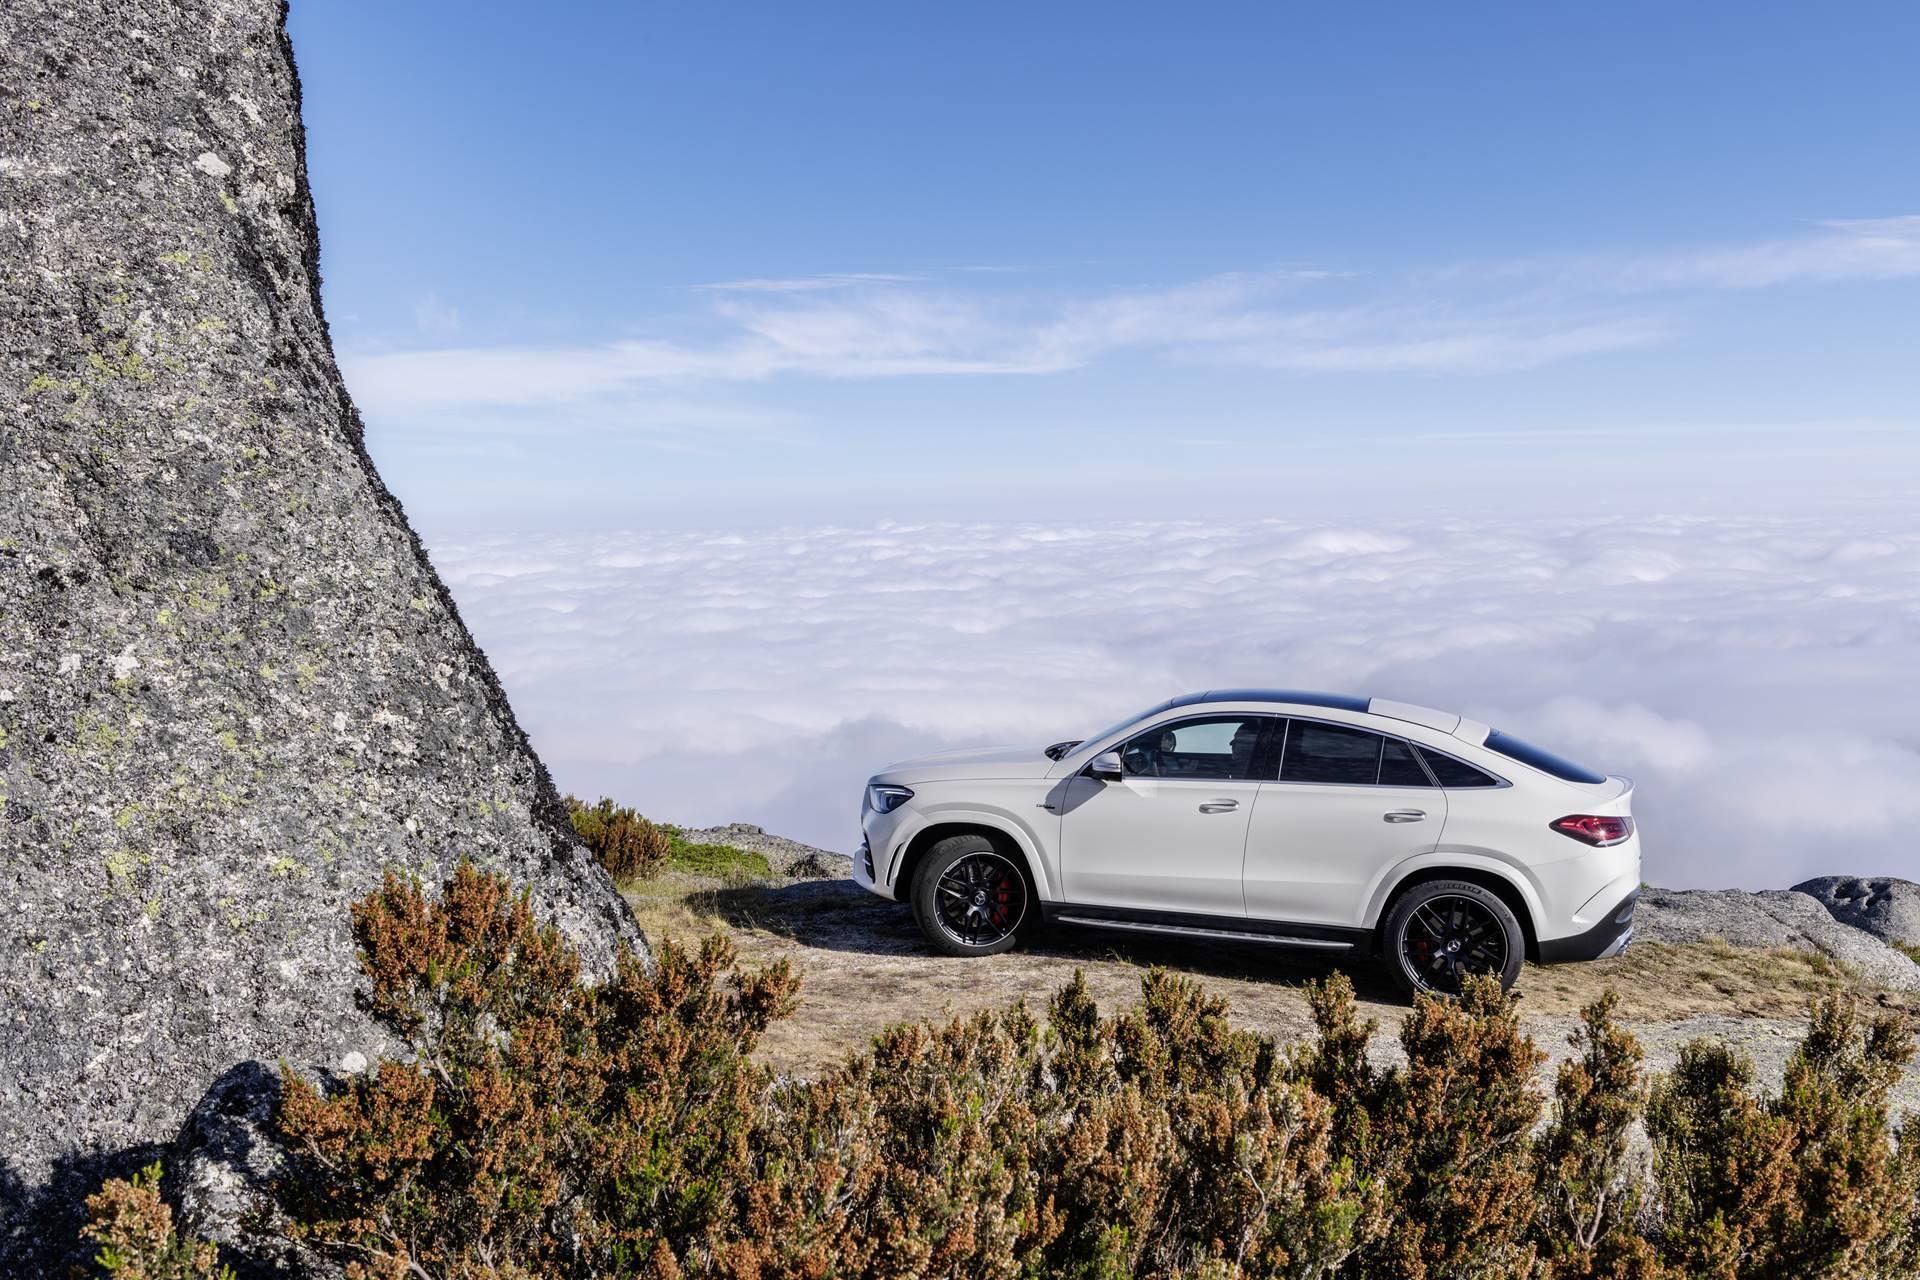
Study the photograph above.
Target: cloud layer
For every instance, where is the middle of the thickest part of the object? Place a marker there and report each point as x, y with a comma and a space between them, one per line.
1753, 674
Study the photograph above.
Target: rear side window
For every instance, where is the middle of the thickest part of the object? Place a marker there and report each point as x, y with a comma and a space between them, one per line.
1399, 767
1330, 753
1449, 772
1545, 761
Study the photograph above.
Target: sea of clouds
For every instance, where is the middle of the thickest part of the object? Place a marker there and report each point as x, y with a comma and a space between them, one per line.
1756, 675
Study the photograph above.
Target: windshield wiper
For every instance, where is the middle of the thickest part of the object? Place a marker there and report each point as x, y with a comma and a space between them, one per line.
1060, 749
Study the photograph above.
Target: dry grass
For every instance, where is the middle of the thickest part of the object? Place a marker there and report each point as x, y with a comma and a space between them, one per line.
863, 966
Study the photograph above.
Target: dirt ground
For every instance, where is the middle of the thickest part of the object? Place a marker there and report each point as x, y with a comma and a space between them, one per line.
864, 966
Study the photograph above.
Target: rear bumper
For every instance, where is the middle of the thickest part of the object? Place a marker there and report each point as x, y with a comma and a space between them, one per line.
1608, 938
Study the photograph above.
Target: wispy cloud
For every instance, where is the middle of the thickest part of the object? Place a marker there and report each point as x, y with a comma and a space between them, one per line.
1469, 319
435, 318
808, 284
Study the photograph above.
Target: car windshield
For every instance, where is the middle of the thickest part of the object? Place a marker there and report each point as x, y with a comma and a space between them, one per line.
1131, 720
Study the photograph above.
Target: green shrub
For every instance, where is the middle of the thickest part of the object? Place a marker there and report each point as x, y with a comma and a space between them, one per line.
133, 1229
626, 844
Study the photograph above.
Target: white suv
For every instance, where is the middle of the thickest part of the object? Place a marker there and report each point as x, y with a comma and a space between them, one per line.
1302, 819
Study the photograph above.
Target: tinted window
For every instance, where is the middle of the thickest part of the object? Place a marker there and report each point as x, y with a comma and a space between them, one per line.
1220, 747
1456, 773
1330, 753
1545, 761
1399, 767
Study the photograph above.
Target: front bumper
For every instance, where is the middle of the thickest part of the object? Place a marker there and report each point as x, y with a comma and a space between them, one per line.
1607, 939
863, 873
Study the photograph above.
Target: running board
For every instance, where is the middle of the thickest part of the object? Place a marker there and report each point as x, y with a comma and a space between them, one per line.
1197, 931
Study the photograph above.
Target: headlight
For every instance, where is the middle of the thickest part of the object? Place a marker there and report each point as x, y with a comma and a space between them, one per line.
886, 799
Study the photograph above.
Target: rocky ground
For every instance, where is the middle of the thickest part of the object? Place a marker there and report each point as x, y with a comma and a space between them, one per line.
1732, 966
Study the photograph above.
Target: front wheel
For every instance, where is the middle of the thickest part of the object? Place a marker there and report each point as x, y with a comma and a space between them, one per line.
970, 898
1442, 932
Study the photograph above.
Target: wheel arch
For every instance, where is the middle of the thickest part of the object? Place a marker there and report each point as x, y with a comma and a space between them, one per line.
1507, 890
1006, 841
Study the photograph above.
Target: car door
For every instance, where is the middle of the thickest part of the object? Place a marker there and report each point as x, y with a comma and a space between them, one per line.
1348, 805
1170, 833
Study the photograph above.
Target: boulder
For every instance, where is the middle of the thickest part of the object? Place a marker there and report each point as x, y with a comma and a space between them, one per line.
222, 1168
1771, 918
1888, 909
233, 691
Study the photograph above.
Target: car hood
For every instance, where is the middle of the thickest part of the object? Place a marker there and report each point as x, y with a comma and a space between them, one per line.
975, 762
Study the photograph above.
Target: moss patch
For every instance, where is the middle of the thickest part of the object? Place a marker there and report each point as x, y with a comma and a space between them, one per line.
720, 860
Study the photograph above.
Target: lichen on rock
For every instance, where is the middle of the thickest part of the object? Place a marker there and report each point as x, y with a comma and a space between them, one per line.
232, 688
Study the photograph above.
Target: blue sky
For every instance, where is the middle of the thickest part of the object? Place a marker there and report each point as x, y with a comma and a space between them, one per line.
659, 264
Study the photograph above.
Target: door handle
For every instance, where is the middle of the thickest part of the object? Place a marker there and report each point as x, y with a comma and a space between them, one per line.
1404, 815
1219, 806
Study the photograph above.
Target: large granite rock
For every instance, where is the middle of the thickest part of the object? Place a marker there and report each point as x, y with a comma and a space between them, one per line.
1888, 909
1772, 918
232, 689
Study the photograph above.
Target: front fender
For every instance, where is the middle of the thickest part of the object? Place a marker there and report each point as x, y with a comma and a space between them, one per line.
1015, 827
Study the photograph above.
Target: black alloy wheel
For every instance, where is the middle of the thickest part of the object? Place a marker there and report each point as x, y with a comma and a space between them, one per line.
1443, 932
970, 897
980, 899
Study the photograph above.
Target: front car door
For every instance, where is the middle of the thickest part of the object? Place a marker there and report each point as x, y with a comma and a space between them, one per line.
1349, 804
1170, 834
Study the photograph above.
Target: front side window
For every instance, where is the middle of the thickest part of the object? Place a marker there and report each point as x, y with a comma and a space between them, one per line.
1330, 753
1221, 747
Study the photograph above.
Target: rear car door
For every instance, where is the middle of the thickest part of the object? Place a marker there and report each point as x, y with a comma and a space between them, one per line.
1348, 804
1169, 835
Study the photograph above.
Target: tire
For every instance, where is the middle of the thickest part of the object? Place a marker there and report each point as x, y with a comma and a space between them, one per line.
1442, 930
972, 898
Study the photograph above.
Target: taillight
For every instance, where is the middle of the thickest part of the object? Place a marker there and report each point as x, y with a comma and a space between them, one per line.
1597, 829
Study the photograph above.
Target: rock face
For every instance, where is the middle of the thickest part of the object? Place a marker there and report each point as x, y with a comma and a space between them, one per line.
1886, 908
232, 689
1772, 918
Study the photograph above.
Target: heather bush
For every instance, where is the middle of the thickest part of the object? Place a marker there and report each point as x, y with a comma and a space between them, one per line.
1441, 1145
1587, 1197
133, 1229
1807, 1184
541, 1127
625, 843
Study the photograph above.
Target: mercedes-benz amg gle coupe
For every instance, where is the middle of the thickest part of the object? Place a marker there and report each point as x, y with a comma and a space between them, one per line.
1308, 820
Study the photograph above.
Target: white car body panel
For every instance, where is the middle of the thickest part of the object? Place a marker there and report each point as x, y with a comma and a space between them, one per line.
1152, 844
1320, 855
1314, 852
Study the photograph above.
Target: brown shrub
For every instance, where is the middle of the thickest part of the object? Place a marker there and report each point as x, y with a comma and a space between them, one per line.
541, 1127
541, 1123
1808, 1184
626, 844
133, 1228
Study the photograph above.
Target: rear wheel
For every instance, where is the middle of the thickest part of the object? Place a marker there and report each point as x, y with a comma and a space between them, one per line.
970, 897
1442, 932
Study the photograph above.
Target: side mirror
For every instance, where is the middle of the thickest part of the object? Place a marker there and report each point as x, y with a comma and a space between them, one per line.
1107, 765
